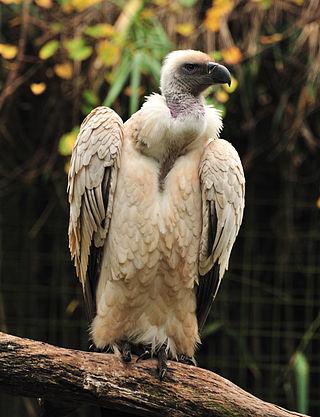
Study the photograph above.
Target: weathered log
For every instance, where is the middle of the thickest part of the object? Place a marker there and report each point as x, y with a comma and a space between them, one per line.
37, 369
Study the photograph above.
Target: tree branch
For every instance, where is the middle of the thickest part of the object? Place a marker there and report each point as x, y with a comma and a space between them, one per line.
37, 369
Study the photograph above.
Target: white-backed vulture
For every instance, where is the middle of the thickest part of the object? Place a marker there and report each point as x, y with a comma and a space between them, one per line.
155, 207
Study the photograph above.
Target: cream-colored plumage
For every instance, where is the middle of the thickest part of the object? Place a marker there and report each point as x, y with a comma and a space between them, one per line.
143, 192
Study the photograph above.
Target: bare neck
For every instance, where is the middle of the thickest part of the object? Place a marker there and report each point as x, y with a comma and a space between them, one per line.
183, 103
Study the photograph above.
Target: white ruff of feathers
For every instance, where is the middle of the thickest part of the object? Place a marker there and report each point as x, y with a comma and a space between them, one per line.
160, 131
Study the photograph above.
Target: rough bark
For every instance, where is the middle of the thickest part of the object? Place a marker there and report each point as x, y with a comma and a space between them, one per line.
37, 369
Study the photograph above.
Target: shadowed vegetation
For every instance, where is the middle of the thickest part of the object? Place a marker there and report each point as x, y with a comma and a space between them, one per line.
60, 59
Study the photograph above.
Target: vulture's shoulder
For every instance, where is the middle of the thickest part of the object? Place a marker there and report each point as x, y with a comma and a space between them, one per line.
221, 150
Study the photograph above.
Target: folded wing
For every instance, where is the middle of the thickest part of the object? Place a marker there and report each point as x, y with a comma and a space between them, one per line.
223, 188
91, 185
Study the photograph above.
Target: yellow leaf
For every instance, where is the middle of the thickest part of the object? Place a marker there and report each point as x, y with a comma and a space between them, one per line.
223, 6
212, 20
220, 8
267, 40
298, 2
108, 52
67, 7
185, 29
10, 1
8, 51
64, 70
160, 3
147, 13
231, 55
233, 86
109, 77
72, 306
38, 88
174, 7
67, 142
45, 4
80, 5
67, 166
318, 203
101, 30
222, 96
128, 91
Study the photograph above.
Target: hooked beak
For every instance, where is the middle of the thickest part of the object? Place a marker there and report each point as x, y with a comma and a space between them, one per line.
219, 73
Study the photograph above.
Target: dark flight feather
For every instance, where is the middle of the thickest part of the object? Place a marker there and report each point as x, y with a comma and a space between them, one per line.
209, 283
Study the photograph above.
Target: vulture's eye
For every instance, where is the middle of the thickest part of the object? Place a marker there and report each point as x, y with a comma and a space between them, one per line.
190, 68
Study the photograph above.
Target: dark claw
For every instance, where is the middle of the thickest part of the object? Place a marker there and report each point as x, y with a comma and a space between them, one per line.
125, 350
188, 360
162, 362
145, 355
93, 348
162, 374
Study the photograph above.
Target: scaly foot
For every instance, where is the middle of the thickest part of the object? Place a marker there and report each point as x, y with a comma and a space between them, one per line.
162, 362
125, 350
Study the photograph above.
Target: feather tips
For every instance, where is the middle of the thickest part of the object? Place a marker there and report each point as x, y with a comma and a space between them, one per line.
223, 188
94, 162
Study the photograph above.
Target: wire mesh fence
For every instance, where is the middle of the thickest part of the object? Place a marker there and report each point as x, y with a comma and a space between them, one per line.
266, 311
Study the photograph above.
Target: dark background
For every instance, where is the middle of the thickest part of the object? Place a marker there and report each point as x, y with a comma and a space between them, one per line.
263, 332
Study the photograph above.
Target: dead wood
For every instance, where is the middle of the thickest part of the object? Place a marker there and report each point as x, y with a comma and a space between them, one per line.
36, 369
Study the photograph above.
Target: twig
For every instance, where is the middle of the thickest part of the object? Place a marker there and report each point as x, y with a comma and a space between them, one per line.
11, 82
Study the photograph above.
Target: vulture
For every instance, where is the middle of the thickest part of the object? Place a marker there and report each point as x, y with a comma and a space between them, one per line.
156, 204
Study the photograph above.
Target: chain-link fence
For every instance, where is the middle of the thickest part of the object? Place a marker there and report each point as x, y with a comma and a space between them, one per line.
266, 311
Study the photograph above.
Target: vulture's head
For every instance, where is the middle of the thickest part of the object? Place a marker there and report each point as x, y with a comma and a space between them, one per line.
191, 72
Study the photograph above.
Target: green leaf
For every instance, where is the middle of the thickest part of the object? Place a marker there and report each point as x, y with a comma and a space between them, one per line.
56, 27
265, 4
77, 49
101, 30
135, 82
216, 55
302, 375
211, 328
153, 66
91, 100
48, 49
210, 101
90, 97
188, 3
120, 76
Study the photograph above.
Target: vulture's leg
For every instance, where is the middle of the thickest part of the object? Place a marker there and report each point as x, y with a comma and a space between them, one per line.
162, 362
125, 350
188, 360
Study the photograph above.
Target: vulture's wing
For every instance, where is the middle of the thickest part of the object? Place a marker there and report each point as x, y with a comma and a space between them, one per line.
91, 186
223, 187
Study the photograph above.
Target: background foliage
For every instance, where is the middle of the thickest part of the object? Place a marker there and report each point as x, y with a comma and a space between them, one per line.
60, 59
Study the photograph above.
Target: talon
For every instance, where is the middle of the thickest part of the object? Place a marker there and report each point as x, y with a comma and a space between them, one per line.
94, 348
162, 374
188, 360
162, 363
145, 355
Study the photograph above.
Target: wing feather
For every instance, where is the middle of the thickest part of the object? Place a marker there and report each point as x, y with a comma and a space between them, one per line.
223, 189
91, 185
